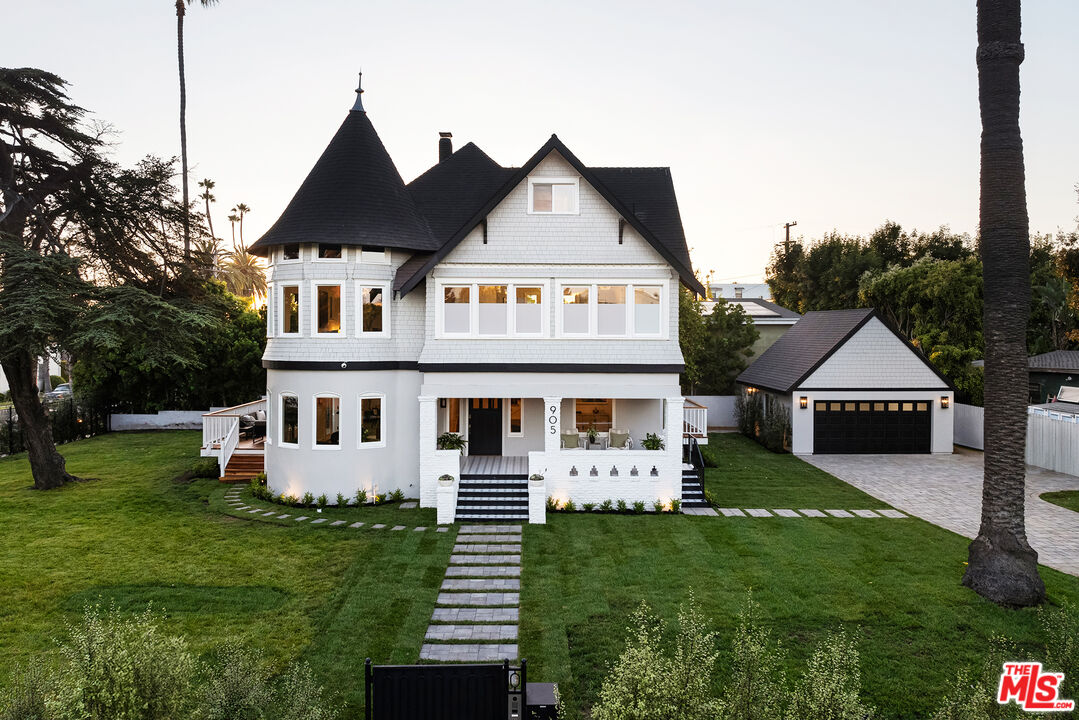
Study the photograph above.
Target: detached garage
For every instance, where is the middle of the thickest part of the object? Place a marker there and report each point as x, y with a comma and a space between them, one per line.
853, 385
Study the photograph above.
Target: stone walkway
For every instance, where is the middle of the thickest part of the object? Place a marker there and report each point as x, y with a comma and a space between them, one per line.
479, 604
807, 513
302, 515
946, 490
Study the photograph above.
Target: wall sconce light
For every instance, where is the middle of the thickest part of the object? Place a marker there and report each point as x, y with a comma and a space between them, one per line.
803, 402
442, 402
944, 402
751, 390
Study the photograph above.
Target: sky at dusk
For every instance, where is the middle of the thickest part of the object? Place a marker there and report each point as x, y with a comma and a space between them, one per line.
837, 114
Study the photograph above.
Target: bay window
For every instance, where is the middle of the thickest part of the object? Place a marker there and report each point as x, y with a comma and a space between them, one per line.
371, 421
289, 432
327, 421
328, 309
290, 309
372, 310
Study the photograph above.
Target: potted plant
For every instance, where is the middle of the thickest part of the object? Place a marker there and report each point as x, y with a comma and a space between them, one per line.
593, 434
535, 478
445, 480
451, 441
652, 442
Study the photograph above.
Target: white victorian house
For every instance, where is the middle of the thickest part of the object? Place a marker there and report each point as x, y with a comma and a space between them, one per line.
517, 308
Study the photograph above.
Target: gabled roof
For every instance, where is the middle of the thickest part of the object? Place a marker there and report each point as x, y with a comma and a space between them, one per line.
1066, 361
644, 197
808, 344
760, 309
353, 196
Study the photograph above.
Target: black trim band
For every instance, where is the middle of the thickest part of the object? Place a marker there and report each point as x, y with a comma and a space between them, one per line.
466, 367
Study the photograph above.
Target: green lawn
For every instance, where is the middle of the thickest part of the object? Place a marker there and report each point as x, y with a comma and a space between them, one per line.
896, 582
747, 476
330, 596
1064, 498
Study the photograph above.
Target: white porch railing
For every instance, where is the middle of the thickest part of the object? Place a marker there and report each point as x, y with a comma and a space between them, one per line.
694, 419
221, 431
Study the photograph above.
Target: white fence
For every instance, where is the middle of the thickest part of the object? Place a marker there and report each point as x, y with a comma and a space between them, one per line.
967, 429
720, 409
1053, 440
163, 420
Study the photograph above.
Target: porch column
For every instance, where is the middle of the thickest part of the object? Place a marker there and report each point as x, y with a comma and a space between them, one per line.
428, 462
674, 423
552, 424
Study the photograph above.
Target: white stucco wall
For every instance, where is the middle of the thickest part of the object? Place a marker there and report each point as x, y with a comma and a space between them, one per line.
304, 468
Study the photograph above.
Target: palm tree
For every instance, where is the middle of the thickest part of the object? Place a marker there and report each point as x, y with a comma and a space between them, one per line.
1002, 566
241, 210
233, 219
180, 10
207, 195
244, 274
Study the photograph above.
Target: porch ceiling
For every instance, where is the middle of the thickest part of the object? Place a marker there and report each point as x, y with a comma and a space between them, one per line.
540, 385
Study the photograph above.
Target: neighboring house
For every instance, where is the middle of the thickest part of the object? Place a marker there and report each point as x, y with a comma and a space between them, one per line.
771, 320
1049, 371
851, 384
515, 307
739, 291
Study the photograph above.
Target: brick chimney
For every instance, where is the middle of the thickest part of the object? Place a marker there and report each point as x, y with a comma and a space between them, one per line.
445, 145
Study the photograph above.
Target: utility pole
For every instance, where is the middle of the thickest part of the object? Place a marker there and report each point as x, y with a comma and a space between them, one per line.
787, 242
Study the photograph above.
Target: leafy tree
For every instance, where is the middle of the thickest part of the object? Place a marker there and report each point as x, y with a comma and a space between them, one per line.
84, 244
1002, 566
715, 347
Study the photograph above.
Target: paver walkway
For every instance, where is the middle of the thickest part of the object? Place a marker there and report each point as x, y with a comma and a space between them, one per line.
249, 512
946, 490
479, 604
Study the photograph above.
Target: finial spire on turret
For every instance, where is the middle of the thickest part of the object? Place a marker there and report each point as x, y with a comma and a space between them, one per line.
358, 107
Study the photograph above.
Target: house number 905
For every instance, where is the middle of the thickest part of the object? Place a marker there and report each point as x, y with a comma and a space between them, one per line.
552, 420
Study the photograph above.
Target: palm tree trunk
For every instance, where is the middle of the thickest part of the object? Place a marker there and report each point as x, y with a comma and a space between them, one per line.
183, 125
1002, 566
47, 465
209, 220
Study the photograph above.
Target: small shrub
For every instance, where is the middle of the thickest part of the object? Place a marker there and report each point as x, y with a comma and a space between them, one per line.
830, 687
638, 507
26, 696
552, 504
361, 497
621, 505
973, 696
657, 505
588, 507
568, 506
322, 501
380, 499
606, 506
755, 687
291, 500
342, 501
124, 668
237, 686
709, 497
652, 442
298, 697
308, 499
397, 495
676, 505
450, 441
206, 468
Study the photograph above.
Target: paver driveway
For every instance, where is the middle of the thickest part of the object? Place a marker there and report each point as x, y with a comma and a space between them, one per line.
946, 490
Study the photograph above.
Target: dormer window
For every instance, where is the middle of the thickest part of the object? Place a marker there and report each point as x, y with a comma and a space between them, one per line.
330, 251
553, 196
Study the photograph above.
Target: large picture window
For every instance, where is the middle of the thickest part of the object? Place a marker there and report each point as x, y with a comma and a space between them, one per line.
290, 420
492, 313
594, 412
372, 315
371, 421
290, 309
615, 310
328, 309
327, 421
492, 309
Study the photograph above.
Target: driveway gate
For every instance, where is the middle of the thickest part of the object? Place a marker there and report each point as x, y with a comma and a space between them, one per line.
444, 692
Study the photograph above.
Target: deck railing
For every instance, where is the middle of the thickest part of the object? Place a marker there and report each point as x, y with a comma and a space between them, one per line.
221, 431
694, 419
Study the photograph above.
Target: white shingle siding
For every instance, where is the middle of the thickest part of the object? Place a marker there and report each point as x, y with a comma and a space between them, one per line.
873, 358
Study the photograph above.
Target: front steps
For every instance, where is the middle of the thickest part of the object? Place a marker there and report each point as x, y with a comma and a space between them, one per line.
243, 468
692, 490
492, 497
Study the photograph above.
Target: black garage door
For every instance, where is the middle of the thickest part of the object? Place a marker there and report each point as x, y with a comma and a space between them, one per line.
872, 426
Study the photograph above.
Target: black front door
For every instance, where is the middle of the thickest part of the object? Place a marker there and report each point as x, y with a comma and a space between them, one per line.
485, 426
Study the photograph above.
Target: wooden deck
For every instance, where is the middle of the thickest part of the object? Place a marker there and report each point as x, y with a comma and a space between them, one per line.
493, 465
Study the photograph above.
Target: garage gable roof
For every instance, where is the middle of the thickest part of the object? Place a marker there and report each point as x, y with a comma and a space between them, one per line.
795, 356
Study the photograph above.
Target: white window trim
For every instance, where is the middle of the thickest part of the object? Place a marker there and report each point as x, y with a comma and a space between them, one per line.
315, 285
387, 292
287, 261
474, 307
574, 181
314, 420
299, 310
593, 309
316, 258
281, 420
271, 316
386, 257
506, 418
360, 444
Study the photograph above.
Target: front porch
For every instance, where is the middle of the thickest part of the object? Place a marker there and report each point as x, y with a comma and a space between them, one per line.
617, 448
236, 436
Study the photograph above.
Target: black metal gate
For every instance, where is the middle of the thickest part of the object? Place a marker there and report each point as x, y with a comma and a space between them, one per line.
444, 692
